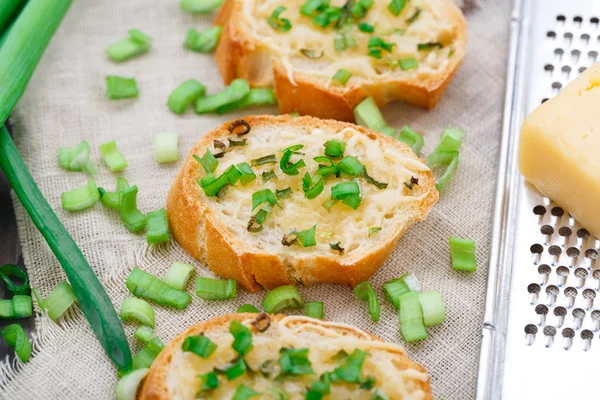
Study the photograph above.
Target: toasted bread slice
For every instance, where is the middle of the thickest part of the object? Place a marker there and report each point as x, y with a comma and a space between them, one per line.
215, 230
176, 374
250, 48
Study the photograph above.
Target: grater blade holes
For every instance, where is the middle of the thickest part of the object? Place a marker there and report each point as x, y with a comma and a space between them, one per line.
568, 333
531, 329
581, 273
562, 271
561, 312
589, 294
587, 334
551, 290
557, 211
549, 331
561, 18
539, 210
594, 20
541, 309
549, 67
585, 37
544, 269
565, 231
596, 274
578, 19
551, 34
545, 100
582, 69
554, 250
570, 292
573, 252
556, 85
534, 288
591, 254
596, 315
547, 230
578, 313
583, 233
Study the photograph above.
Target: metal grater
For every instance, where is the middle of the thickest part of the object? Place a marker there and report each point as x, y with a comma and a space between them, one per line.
541, 329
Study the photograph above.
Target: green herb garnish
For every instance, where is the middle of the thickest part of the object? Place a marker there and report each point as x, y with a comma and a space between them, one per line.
372, 181
279, 24
337, 247
374, 230
396, 6
408, 63
414, 17
348, 193
312, 188
199, 345
376, 45
286, 166
267, 175
242, 142
342, 76
208, 161
335, 148
283, 193
294, 362
429, 46
306, 238
365, 27
350, 370
351, 166
242, 338
264, 160
263, 196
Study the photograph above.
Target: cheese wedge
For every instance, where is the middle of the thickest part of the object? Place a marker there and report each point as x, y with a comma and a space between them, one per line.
559, 149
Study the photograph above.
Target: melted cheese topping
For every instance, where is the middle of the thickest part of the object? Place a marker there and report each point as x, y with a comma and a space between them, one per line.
324, 341
432, 25
388, 208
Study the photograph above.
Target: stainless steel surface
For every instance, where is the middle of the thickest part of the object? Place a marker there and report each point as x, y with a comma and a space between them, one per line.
541, 332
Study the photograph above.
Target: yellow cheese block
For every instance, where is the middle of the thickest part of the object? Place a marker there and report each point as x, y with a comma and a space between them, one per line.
560, 149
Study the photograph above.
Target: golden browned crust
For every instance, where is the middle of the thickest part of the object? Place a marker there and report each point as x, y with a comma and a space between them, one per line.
155, 384
238, 56
208, 240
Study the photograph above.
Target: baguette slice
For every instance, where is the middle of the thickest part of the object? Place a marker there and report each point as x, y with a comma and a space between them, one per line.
215, 230
174, 373
250, 48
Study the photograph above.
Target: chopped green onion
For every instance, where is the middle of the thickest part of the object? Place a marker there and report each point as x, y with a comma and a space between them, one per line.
337, 247
411, 138
462, 252
203, 42
242, 338
313, 54
264, 160
376, 45
23, 307
348, 192
335, 148
243, 392
113, 159
139, 310
234, 369
429, 46
342, 76
58, 301
267, 175
209, 381
306, 238
447, 158
279, 24
256, 97
408, 63
311, 188
8, 270
329, 204
379, 395
288, 167
434, 310
82, 198
9, 9
118, 87
339, 42
367, 114
7, 309
214, 186
350, 370
179, 275
138, 43
309, 7
365, 292
144, 333
77, 158
283, 193
263, 196
323, 169
184, 95
396, 6
395, 288
157, 227
320, 387
314, 309
414, 17
281, 298
451, 51
373, 230
365, 27
132, 218
166, 147
111, 199
256, 221
232, 93
235, 143
351, 166
128, 385
147, 286
208, 161
373, 181
15, 337
199, 345
247, 175
411, 318
147, 354
294, 362
216, 289
200, 6
247, 308
450, 141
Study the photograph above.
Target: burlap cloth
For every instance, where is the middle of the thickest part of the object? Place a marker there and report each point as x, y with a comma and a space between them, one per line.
65, 103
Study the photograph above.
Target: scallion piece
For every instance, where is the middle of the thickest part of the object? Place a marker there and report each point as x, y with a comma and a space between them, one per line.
325, 170
263, 196
216, 289
138, 43
132, 218
287, 167
234, 369
157, 227
214, 186
200, 6
309, 7
144, 333
366, 27
232, 93
351, 369
247, 308
376, 45
396, 6
414, 17
7, 309
243, 392
365, 292
335, 148
447, 158
314, 309
23, 307
373, 230
411, 138
208, 161
450, 141
82, 198
462, 252
256, 97
283, 193
367, 114
311, 188
128, 385
147, 286
247, 174
281, 298
408, 63
411, 318
242, 338
277, 23
294, 362
58, 301
209, 381
351, 166
306, 238
147, 354
348, 193
15, 337
203, 42
166, 148
268, 175
118, 87
77, 158
434, 310
113, 159
319, 388
429, 46
184, 95
137, 309
379, 395
111, 199
199, 345
8, 270
9, 9
179, 275
396, 288
342, 76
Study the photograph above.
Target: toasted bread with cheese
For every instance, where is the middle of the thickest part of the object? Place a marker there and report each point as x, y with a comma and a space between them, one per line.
175, 374
215, 230
301, 62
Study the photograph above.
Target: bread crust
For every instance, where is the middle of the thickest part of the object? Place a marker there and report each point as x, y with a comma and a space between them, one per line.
208, 240
239, 56
155, 385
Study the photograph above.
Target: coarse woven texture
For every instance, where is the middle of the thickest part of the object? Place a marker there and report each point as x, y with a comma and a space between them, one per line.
65, 104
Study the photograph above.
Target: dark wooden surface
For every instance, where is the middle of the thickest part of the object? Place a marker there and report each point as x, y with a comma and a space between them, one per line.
10, 253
